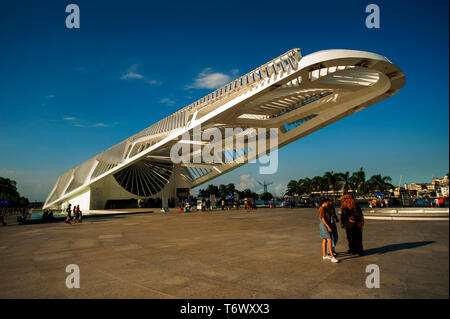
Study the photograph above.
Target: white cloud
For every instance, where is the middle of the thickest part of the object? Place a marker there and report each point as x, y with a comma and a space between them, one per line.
280, 190
77, 123
47, 99
81, 69
132, 74
246, 182
7, 172
207, 79
151, 82
167, 101
101, 125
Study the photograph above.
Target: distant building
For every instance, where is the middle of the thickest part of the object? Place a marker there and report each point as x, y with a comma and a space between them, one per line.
37, 205
443, 191
440, 181
438, 187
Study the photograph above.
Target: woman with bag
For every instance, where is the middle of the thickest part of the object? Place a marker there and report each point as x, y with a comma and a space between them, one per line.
352, 219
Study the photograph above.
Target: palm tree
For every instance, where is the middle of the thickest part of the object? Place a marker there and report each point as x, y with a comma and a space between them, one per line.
354, 182
344, 178
333, 180
304, 186
247, 192
360, 178
293, 187
317, 184
230, 189
222, 192
203, 193
212, 190
380, 183
266, 197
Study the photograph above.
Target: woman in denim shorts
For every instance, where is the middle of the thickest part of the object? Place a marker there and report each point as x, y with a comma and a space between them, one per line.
325, 230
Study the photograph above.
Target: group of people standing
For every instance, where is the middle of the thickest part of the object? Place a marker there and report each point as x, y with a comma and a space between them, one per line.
230, 204
206, 205
78, 216
352, 219
438, 202
25, 214
3, 213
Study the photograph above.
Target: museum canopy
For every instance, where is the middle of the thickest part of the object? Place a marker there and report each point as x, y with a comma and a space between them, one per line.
294, 94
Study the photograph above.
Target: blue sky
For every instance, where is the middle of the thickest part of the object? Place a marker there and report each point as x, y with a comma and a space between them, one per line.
68, 94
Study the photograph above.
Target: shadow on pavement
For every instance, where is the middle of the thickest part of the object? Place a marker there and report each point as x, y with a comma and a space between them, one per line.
395, 247
387, 249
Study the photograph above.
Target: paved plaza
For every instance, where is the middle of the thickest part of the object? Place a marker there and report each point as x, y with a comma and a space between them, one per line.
266, 253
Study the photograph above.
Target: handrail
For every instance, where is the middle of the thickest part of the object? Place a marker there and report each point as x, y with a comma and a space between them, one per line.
290, 59
280, 64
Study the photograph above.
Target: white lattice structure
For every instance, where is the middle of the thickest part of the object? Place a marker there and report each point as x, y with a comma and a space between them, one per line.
298, 95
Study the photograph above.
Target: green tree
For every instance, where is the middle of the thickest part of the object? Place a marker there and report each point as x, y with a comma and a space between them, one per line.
354, 183
203, 193
212, 190
266, 196
8, 191
379, 183
293, 187
333, 181
222, 192
319, 184
230, 189
247, 193
8, 187
344, 179
305, 186
360, 179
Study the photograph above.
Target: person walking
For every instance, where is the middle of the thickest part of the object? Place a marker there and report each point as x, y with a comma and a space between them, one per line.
352, 219
203, 205
208, 204
325, 230
3, 215
80, 214
75, 214
69, 214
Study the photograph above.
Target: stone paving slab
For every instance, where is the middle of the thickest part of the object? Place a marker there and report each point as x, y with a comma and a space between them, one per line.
265, 253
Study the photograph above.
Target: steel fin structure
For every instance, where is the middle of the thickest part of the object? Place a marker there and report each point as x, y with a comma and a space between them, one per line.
294, 94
